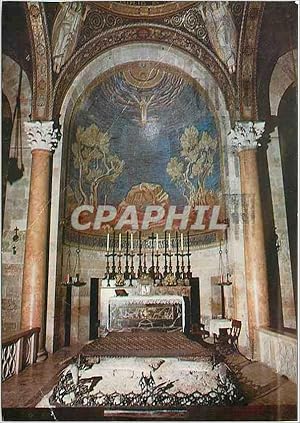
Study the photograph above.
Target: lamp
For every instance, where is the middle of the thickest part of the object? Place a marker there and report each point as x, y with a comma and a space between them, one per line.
224, 274
15, 239
77, 269
67, 281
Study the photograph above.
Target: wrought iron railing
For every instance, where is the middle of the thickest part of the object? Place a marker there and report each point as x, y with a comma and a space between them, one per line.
19, 351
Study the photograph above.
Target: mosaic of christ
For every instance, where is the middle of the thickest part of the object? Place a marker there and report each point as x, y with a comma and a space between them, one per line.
142, 136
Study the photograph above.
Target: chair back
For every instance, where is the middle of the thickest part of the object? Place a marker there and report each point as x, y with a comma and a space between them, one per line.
236, 326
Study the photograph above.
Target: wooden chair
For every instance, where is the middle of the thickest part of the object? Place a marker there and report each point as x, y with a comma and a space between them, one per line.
198, 331
229, 336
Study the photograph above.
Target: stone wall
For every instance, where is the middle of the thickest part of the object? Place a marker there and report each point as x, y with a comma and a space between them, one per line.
204, 265
279, 351
16, 203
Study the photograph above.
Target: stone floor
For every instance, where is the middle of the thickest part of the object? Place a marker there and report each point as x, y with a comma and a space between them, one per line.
26, 388
270, 396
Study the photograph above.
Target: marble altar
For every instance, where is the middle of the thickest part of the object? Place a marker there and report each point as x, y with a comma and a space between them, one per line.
146, 312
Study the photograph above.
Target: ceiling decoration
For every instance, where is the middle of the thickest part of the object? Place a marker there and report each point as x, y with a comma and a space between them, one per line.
247, 59
143, 9
92, 32
188, 18
145, 33
140, 95
41, 60
66, 28
144, 75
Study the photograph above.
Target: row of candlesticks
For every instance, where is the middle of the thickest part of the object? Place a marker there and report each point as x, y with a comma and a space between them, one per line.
118, 271
167, 244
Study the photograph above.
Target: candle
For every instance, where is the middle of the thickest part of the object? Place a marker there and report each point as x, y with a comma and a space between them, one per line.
156, 242
169, 243
181, 242
107, 243
120, 241
131, 241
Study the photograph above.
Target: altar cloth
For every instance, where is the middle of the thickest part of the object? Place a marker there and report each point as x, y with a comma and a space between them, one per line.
146, 312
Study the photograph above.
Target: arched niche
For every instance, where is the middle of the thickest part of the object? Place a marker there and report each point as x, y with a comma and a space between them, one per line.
185, 63
288, 140
284, 74
283, 106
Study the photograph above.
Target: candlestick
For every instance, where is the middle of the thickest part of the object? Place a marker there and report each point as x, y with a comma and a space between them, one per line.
145, 264
131, 241
181, 242
119, 262
182, 265
113, 267
126, 272
140, 269
152, 255
177, 273
170, 262
132, 274
188, 274
107, 242
158, 275
107, 275
120, 241
165, 254
169, 244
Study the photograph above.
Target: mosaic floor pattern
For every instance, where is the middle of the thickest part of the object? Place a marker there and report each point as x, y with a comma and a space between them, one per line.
128, 382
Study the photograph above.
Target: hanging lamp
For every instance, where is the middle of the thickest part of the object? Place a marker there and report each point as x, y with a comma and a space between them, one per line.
77, 268
15, 169
67, 281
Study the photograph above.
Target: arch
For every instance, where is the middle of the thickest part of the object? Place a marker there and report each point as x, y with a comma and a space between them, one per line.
165, 37
247, 55
283, 76
41, 61
66, 97
282, 79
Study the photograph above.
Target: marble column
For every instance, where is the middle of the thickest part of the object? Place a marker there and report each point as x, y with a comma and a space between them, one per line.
244, 138
42, 140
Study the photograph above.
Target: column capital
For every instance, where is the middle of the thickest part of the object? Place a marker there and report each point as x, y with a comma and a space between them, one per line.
42, 135
245, 135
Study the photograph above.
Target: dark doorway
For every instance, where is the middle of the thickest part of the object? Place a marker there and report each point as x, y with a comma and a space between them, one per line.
288, 137
195, 300
94, 291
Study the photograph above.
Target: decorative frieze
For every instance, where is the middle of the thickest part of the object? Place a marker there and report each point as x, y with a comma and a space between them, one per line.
42, 76
42, 135
245, 135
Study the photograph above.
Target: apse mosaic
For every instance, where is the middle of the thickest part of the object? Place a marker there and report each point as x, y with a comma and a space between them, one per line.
143, 136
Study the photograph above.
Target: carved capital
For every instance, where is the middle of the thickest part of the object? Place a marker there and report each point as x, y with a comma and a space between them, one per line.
42, 135
245, 135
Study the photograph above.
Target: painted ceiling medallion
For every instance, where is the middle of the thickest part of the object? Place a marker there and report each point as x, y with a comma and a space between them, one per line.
143, 75
137, 9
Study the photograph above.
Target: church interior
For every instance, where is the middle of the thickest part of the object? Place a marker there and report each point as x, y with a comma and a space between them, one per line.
149, 210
